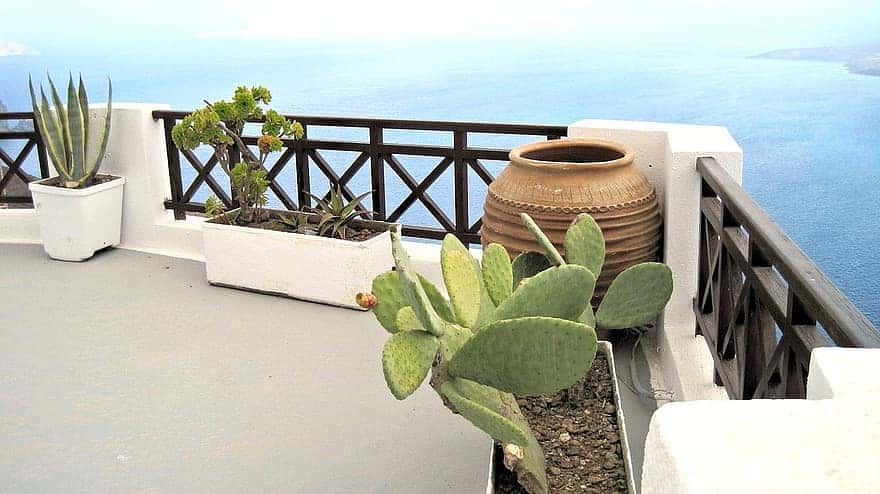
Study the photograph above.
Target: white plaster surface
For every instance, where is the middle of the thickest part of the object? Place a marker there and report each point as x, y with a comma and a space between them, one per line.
778, 446
826, 444
306, 267
160, 383
844, 373
667, 153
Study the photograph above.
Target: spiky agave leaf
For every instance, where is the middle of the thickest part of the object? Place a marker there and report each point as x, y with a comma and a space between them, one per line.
48, 129
65, 131
75, 126
84, 108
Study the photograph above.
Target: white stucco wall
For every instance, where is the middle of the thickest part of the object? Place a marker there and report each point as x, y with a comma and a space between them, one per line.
825, 444
667, 153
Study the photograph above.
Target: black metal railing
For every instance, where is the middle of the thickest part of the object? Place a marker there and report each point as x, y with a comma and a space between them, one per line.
13, 177
374, 153
762, 304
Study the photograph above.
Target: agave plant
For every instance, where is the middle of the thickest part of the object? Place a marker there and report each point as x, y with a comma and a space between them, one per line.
508, 329
65, 130
336, 214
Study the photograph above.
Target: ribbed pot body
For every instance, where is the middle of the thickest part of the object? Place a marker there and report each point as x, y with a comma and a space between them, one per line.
554, 181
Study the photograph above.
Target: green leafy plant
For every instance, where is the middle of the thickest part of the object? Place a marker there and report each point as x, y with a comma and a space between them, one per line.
507, 329
220, 125
65, 131
214, 207
336, 214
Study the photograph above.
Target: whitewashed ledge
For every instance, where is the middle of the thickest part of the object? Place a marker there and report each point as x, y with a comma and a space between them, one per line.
828, 443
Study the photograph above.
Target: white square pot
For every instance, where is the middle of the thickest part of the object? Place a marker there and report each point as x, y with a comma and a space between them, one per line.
306, 267
75, 223
605, 348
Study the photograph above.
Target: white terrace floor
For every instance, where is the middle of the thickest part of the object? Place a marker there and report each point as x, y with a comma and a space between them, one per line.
129, 373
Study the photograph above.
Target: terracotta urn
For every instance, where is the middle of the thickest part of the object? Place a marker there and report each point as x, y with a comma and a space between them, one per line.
554, 181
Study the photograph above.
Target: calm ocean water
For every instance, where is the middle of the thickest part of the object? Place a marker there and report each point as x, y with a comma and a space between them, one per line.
809, 130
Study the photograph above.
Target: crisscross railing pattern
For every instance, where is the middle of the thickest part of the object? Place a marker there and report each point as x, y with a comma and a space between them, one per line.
12, 173
380, 157
762, 304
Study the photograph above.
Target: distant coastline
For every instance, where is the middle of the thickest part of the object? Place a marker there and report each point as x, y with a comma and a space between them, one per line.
858, 59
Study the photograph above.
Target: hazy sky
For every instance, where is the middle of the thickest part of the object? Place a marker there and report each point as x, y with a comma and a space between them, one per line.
37, 25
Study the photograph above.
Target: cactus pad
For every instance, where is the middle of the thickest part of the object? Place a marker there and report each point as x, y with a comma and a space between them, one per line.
528, 264
584, 244
636, 296
497, 273
545, 243
438, 301
406, 360
483, 407
588, 317
406, 320
390, 299
527, 356
561, 291
463, 280
412, 288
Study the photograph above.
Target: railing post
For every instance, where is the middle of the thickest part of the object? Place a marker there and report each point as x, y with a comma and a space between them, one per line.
377, 172
461, 185
303, 184
174, 171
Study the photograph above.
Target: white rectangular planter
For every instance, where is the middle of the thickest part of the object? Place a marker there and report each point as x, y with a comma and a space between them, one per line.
306, 267
75, 223
605, 348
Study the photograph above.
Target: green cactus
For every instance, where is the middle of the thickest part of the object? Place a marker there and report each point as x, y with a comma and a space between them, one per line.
497, 273
390, 297
65, 130
528, 264
542, 239
463, 280
556, 292
520, 328
584, 244
636, 296
407, 320
406, 360
527, 356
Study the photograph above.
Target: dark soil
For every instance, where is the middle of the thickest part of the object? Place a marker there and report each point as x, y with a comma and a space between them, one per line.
99, 179
281, 221
578, 431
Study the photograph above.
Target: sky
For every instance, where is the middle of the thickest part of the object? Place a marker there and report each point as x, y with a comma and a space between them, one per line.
757, 23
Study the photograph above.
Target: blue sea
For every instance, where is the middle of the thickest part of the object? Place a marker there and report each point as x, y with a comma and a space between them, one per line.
810, 131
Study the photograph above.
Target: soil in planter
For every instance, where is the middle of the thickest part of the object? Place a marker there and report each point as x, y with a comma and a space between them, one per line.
355, 231
99, 179
579, 433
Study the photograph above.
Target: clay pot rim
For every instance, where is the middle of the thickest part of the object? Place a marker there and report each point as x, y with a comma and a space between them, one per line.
516, 154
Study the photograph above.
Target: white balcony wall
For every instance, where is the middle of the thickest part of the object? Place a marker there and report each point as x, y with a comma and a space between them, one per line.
667, 153
825, 444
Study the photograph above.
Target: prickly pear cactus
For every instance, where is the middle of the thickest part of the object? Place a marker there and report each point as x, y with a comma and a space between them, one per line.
521, 328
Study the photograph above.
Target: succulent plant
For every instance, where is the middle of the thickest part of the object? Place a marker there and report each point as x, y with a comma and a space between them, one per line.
65, 131
336, 214
507, 329
220, 125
